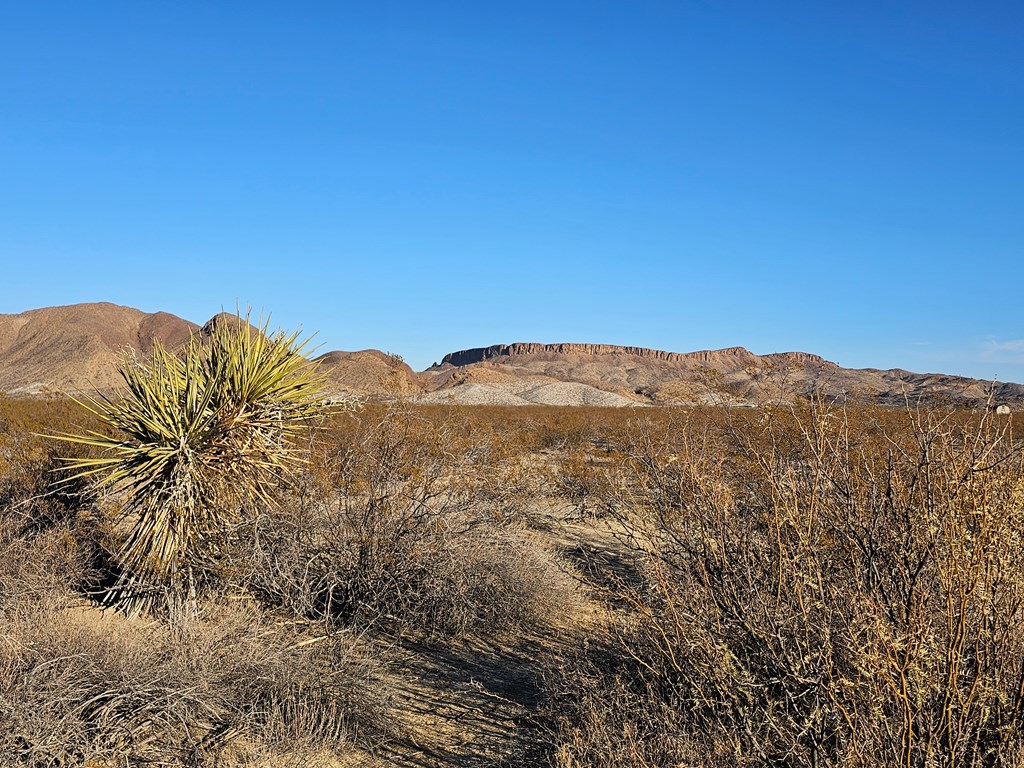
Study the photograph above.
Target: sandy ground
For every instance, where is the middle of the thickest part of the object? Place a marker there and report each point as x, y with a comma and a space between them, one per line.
527, 393
474, 705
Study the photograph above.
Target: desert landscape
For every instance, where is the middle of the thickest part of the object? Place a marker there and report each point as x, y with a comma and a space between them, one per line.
220, 552
548, 384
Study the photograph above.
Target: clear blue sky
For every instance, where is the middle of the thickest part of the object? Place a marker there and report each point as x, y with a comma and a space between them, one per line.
839, 178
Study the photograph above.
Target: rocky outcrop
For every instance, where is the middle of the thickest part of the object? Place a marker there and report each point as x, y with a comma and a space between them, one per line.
369, 372
734, 375
798, 358
522, 349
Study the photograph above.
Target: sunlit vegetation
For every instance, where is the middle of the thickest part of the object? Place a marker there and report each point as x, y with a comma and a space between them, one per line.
815, 588
193, 437
794, 587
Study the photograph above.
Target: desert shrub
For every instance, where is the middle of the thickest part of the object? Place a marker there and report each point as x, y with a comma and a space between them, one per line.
602, 713
396, 573
817, 589
584, 478
76, 689
400, 538
560, 429
507, 487
29, 463
44, 545
39, 568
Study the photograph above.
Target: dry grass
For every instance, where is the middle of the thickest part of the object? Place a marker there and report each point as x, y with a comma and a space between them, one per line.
807, 587
399, 533
77, 689
817, 588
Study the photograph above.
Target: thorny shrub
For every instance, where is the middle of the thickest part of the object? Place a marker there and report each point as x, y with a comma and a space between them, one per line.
813, 588
29, 461
395, 531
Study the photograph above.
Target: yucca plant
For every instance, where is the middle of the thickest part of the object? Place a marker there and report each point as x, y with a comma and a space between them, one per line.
199, 435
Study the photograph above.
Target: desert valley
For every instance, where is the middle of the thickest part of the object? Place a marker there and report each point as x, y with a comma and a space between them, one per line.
611, 385
217, 552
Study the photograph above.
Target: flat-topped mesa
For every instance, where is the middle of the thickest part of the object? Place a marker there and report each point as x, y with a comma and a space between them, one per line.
497, 351
717, 356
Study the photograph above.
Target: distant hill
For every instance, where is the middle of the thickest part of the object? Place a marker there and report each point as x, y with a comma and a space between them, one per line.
369, 372
75, 348
733, 376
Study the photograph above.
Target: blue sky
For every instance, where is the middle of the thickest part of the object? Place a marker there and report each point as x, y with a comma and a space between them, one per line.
839, 178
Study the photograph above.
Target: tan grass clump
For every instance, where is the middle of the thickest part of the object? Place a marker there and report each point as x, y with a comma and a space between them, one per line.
78, 689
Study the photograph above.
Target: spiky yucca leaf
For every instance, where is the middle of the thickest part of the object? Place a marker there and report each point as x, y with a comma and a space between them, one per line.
201, 434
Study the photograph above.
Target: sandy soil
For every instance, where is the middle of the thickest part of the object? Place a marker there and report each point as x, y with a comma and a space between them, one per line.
475, 705
527, 392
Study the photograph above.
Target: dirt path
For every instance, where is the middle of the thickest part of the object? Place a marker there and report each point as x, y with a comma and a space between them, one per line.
471, 706
475, 705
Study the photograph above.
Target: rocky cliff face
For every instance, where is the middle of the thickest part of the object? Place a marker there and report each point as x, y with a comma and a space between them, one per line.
733, 375
526, 349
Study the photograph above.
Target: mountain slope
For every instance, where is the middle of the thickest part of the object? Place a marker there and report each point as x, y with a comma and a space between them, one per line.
74, 348
368, 372
734, 375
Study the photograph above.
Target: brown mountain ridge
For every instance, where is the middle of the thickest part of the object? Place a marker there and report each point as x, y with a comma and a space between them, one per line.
731, 376
75, 348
